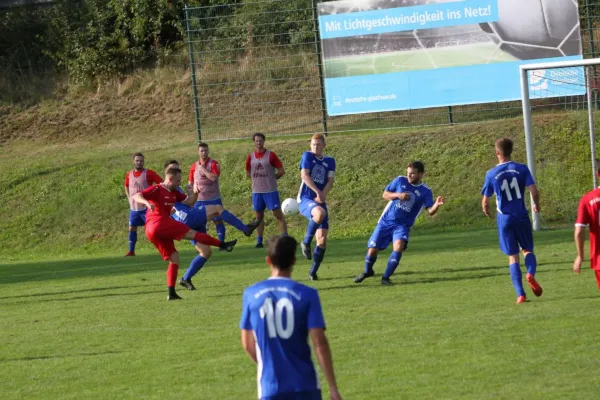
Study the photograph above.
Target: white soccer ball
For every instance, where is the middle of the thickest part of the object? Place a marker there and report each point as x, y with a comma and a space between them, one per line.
289, 207
530, 29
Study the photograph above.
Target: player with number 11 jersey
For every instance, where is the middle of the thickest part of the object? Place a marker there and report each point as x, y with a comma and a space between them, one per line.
508, 181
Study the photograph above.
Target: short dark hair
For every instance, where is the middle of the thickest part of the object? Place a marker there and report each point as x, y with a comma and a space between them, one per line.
202, 144
169, 162
505, 146
282, 251
172, 171
260, 135
418, 165
137, 155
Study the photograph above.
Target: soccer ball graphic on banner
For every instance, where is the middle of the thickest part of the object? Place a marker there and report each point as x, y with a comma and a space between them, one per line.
289, 207
535, 29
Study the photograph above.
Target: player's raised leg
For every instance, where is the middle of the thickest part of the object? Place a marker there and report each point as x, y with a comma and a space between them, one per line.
316, 214
215, 211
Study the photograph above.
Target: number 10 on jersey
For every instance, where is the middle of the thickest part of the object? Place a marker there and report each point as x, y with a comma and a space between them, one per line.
274, 317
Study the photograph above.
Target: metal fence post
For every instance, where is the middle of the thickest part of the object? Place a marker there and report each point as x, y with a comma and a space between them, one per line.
193, 67
320, 65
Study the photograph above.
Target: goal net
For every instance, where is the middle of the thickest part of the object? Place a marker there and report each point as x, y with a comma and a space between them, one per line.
560, 106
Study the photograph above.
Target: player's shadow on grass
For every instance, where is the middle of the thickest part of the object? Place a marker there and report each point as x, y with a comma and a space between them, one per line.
99, 289
35, 358
162, 290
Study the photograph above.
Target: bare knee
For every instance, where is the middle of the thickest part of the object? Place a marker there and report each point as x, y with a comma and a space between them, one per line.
174, 258
319, 214
204, 251
399, 246
372, 252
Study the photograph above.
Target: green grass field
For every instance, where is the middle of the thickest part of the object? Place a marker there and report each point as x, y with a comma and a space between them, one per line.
401, 61
99, 328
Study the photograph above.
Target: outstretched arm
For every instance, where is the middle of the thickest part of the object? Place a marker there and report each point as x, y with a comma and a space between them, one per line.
439, 201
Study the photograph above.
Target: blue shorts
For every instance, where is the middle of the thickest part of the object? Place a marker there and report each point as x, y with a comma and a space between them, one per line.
137, 218
306, 395
306, 206
386, 233
514, 232
214, 202
270, 200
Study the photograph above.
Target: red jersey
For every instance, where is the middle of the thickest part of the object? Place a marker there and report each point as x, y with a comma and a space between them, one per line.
273, 160
588, 214
163, 200
214, 168
152, 177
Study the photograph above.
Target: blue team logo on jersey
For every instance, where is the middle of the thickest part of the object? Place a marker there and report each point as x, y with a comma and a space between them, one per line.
318, 174
408, 204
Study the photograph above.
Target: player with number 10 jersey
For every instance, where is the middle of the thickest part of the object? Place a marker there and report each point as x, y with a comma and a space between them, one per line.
508, 181
278, 316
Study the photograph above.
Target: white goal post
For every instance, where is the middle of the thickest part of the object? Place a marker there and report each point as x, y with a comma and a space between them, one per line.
585, 86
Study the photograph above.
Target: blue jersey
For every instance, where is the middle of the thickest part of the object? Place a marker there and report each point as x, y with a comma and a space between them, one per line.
193, 217
508, 180
405, 212
280, 312
320, 169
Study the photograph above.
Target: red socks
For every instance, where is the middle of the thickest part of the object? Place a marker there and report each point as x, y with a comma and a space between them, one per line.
206, 239
172, 274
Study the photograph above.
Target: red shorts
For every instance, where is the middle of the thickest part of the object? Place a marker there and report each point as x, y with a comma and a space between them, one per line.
162, 232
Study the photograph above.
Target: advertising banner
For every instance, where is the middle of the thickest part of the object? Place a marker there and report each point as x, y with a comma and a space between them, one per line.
384, 55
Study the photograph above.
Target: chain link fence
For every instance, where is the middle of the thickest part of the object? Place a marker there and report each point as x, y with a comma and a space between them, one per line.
256, 66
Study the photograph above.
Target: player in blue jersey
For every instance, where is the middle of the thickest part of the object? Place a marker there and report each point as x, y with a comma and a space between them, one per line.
508, 181
317, 172
407, 196
195, 218
278, 316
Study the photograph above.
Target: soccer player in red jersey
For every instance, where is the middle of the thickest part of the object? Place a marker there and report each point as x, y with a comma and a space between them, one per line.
136, 180
161, 230
588, 215
264, 168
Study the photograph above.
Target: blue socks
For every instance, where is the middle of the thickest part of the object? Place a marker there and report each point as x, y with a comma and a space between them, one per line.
195, 266
311, 229
517, 278
132, 241
220, 231
259, 239
318, 256
369, 262
233, 221
531, 263
392, 264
